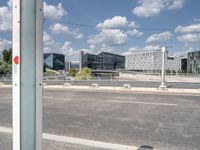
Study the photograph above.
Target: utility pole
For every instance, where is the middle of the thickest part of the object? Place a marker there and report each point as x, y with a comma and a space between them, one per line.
27, 74
162, 85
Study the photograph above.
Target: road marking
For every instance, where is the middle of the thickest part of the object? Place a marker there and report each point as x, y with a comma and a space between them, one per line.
79, 141
5, 130
48, 97
145, 103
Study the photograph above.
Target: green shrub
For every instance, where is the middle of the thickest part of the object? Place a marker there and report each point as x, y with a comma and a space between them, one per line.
84, 74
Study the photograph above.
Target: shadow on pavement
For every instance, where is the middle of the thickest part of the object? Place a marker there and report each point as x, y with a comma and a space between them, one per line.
145, 147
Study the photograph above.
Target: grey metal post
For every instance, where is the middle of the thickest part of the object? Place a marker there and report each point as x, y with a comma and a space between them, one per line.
81, 61
162, 85
27, 74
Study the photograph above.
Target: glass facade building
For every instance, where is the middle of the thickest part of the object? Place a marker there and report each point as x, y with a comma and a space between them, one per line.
90, 61
109, 61
103, 61
193, 62
54, 61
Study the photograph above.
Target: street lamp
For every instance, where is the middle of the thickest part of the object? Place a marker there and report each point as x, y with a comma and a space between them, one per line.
162, 85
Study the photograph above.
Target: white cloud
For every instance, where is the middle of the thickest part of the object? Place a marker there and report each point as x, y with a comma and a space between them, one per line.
176, 4
52, 12
130, 51
70, 52
47, 39
152, 47
4, 44
6, 17
113, 32
79, 36
148, 8
165, 36
133, 25
108, 37
134, 32
67, 49
188, 29
115, 22
189, 37
58, 28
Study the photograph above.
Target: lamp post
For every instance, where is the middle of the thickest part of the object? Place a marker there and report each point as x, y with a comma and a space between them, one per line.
162, 85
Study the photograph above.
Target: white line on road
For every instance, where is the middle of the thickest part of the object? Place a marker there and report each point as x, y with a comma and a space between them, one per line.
5, 130
48, 97
145, 103
79, 141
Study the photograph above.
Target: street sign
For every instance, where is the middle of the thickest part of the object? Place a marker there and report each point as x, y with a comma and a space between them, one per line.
27, 74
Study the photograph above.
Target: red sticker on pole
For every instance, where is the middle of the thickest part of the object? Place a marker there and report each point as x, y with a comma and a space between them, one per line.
16, 60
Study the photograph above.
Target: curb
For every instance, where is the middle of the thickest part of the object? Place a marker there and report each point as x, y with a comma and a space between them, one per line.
119, 89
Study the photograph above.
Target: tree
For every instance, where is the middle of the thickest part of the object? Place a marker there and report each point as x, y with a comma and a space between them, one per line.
173, 72
168, 71
5, 68
7, 56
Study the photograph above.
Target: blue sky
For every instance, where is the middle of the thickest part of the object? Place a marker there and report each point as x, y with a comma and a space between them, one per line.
118, 26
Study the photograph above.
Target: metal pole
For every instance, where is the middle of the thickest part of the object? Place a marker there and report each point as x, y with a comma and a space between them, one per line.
162, 85
27, 74
81, 60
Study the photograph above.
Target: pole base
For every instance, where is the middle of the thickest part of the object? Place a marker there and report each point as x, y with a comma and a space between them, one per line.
162, 87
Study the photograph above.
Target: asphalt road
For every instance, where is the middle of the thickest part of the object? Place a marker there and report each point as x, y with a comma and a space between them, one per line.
165, 122
147, 84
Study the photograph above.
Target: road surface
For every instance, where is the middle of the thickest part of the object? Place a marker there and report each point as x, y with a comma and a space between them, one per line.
159, 121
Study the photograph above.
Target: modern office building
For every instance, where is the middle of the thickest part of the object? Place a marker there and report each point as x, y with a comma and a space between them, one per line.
71, 65
103, 61
151, 61
109, 61
90, 61
54, 61
173, 63
193, 62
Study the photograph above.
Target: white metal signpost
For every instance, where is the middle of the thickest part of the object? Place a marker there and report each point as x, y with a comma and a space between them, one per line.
27, 74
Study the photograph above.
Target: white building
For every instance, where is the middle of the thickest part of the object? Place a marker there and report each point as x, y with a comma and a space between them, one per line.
174, 63
150, 61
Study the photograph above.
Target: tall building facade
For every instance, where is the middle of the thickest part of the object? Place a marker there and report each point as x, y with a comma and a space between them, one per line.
193, 62
151, 61
103, 61
173, 63
54, 61
109, 61
89, 60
